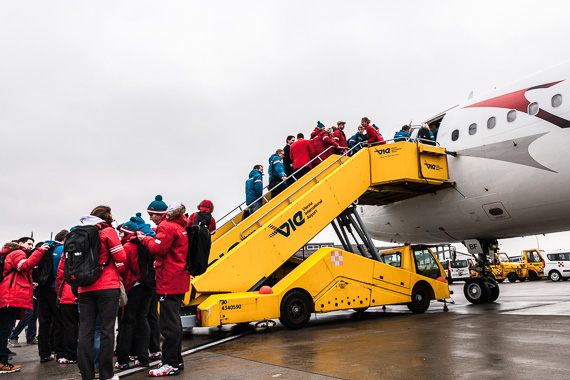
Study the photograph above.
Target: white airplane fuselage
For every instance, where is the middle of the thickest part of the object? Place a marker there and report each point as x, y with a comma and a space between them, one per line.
512, 179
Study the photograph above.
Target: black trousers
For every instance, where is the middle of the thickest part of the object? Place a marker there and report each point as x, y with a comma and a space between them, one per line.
154, 344
105, 303
171, 328
70, 316
50, 324
301, 173
29, 323
7, 319
135, 318
274, 182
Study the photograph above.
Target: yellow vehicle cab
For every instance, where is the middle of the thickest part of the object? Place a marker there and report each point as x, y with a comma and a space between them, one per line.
503, 268
333, 279
534, 262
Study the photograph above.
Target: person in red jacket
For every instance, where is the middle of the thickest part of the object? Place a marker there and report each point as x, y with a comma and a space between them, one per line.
330, 146
208, 207
101, 298
69, 314
372, 135
301, 153
16, 290
340, 138
133, 325
170, 248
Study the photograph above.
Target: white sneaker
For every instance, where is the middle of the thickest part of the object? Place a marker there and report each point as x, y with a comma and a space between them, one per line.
165, 370
116, 377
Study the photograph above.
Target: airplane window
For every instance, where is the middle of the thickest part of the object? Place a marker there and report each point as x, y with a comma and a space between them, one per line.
512, 116
491, 122
473, 129
455, 135
556, 100
533, 108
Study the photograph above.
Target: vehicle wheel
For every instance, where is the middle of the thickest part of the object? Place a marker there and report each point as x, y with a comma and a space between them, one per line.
420, 298
494, 290
476, 290
296, 309
361, 309
564, 278
532, 276
554, 275
522, 279
512, 277
501, 280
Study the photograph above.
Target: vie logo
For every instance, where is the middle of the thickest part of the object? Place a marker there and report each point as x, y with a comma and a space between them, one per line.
432, 166
291, 225
383, 151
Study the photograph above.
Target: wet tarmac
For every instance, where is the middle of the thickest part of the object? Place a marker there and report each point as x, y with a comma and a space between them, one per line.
524, 335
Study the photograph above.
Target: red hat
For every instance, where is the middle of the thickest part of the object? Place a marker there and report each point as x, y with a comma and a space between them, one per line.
206, 205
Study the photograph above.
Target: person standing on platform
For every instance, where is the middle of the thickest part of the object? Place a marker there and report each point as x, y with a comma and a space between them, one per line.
301, 153
277, 173
340, 138
254, 189
287, 157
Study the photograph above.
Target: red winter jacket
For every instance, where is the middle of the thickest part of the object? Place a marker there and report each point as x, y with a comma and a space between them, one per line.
132, 272
16, 289
327, 143
110, 245
316, 132
63, 289
170, 248
318, 147
373, 136
211, 227
301, 153
340, 138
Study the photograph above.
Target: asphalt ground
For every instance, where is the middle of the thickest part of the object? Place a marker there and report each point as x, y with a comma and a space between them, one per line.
525, 334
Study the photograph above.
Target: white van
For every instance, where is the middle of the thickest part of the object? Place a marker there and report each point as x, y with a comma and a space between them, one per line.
457, 270
557, 264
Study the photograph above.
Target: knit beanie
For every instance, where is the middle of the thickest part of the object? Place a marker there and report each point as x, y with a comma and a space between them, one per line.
131, 226
320, 125
139, 219
157, 206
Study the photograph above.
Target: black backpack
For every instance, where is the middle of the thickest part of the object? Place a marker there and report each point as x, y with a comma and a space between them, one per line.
424, 135
146, 260
43, 272
2, 260
81, 250
199, 244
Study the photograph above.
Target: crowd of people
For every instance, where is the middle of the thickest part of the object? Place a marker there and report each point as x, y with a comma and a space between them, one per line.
77, 324
145, 265
300, 156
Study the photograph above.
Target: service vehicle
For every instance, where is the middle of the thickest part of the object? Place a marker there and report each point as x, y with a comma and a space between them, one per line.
534, 261
333, 279
503, 267
557, 264
458, 270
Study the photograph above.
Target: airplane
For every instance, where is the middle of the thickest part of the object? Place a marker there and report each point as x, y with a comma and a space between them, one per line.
510, 172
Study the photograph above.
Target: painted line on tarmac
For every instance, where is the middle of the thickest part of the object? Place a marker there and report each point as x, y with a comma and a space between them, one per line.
134, 370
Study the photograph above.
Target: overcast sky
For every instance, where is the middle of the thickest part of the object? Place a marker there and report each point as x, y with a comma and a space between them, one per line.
114, 102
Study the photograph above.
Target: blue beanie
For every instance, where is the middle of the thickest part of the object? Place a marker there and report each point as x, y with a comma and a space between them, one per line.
130, 227
320, 125
138, 218
157, 206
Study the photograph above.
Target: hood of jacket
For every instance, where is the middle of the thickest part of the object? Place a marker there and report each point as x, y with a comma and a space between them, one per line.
177, 215
254, 172
90, 220
9, 247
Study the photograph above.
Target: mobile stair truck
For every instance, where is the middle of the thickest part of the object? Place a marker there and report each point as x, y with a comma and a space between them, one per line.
253, 274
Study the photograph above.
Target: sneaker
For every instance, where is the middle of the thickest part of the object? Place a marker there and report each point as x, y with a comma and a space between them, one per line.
155, 355
9, 367
180, 366
11, 353
165, 370
116, 377
46, 359
33, 341
137, 363
14, 343
121, 366
66, 361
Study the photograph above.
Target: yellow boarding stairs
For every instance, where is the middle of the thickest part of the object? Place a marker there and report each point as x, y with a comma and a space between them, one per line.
245, 253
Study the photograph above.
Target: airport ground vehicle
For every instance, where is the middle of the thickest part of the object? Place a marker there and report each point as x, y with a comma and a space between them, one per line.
457, 270
534, 261
557, 264
249, 254
503, 268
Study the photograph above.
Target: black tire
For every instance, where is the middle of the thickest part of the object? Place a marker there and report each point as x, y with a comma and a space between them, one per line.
476, 290
361, 309
494, 290
501, 280
565, 278
420, 298
532, 276
512, 277
555, 275
522, 279
296, 309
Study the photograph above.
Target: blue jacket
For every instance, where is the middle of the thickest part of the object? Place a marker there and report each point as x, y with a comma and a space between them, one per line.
56, 258
276, 167
357, 138
401, 135
253, 186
